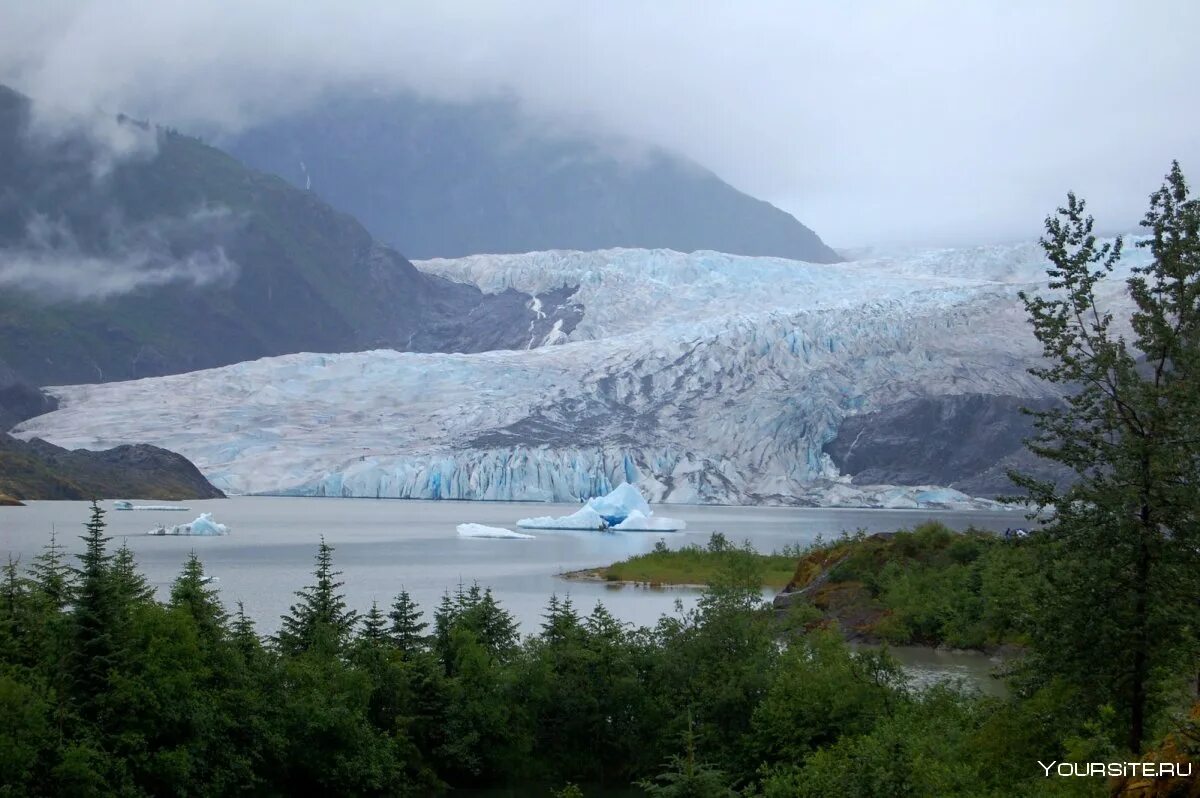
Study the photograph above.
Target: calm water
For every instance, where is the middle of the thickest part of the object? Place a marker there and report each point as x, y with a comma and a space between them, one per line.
384, 545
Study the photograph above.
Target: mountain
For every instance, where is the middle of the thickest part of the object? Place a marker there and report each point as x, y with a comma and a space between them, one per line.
450, 179
19, 400
966, 441
175, 257
701, 377
39, 470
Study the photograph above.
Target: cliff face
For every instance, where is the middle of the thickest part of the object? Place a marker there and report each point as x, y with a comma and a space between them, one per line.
19, 400
40, 470
966, 441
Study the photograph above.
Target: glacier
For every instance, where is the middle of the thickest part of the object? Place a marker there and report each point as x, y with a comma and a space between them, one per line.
699, 377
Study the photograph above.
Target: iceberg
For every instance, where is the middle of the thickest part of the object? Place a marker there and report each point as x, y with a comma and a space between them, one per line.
637, 521
481, 531
616, 506
624, 509
203, 526
586, 518
125, 505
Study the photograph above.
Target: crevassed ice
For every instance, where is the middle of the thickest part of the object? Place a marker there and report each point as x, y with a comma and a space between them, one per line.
701, 378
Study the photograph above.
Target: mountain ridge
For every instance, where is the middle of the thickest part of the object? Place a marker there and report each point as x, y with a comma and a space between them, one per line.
36, 469
208, 263
441, 179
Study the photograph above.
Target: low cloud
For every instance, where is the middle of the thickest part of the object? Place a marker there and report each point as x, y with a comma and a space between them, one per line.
905, 121
52, 265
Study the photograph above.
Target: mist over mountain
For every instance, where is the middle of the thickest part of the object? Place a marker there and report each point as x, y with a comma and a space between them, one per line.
176, 257
442, 179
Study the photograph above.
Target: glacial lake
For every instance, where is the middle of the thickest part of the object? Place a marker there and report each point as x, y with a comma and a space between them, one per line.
383, 545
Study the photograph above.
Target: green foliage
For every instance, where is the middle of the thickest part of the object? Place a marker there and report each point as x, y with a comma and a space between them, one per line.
320, 618
930, 585
718, 560
1123, 547
686, 777
407, 630
720, 697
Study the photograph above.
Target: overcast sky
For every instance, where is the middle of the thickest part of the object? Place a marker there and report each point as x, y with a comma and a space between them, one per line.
889, 122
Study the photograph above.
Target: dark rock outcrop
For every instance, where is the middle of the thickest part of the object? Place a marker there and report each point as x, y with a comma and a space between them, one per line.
966, 441
19, 400
39, 470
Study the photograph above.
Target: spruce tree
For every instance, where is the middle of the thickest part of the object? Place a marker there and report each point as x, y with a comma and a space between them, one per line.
52, 576
320, 616
407, 630
245, 638
95, 616
130, 586
375, 627
1121, 553
560, 623
191, 593
15, 616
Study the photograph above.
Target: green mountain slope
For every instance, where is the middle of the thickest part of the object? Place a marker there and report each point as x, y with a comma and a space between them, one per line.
40, 470
182, 259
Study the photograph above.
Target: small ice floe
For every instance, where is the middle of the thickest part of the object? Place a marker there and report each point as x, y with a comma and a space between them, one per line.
623, 510
204, 526
124, 505
637, 521
481, 531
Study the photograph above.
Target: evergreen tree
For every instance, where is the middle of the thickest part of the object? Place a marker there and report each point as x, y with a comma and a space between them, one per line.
494, 626
191, 593
95, 615
321, 616
687, 777
15, 616
407, 628
1124, 541
52, 576
561, 623
445, 618
375, 627
129, 585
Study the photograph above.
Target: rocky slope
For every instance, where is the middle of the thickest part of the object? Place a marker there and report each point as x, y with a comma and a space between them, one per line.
450, 179
175, 257
39, 470
964, 441
19, 400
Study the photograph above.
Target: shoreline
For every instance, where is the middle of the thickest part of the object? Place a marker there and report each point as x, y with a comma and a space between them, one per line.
596, 576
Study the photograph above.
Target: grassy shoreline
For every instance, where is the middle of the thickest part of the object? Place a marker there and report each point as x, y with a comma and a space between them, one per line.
695, 566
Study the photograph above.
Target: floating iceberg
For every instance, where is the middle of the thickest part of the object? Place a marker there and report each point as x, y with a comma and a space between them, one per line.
622, 510
124, 505
481, 531
203, 526
637, 521
586, 518
618, 505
